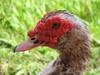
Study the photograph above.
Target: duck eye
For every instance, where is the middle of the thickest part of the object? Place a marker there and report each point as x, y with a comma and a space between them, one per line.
55, 25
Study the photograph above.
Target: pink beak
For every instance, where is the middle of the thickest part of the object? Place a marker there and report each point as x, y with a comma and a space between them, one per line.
26, 45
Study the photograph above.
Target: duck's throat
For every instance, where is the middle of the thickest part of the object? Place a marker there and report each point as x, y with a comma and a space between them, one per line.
74, 49
72, 61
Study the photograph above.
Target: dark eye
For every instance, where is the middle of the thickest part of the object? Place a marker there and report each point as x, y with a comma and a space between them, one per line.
55, 25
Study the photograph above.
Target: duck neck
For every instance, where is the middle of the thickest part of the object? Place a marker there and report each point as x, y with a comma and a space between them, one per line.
74, 49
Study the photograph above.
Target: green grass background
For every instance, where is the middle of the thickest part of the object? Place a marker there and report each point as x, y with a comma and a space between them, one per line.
18, 16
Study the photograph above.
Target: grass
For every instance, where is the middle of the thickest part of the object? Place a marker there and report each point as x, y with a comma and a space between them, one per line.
18, 16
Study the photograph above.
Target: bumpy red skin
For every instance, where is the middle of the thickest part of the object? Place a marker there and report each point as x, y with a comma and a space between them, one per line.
46, 33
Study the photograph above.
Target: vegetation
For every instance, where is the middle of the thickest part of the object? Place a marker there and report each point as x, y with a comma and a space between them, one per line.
18, 16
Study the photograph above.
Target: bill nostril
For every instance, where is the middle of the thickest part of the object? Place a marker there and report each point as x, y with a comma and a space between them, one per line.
35, 41
32, 38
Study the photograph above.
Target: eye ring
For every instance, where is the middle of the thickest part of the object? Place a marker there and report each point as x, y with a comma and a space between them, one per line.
55, 25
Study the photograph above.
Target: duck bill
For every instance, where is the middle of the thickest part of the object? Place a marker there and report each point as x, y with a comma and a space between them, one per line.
24, 46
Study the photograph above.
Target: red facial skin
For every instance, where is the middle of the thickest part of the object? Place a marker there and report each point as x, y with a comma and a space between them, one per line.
49, 35
46, 34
